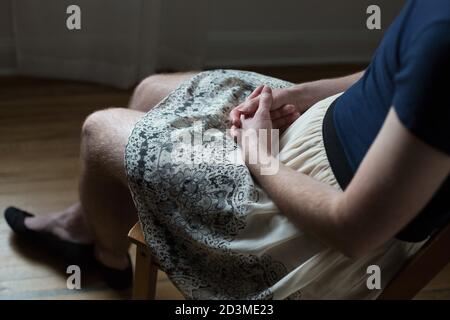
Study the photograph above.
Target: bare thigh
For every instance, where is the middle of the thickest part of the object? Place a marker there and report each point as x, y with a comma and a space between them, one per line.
155, 88
105, 133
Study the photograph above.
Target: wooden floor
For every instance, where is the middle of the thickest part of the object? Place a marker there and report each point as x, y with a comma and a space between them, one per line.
40, 121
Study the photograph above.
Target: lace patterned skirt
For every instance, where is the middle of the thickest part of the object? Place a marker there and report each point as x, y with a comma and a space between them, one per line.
210, 226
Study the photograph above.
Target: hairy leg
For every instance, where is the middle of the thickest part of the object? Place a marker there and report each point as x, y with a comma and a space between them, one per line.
104, 195
106, 212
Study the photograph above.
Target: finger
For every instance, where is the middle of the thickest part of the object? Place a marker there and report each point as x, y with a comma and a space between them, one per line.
283, 111
265, 103
233, 131
249, 106
255, 92
235, 114
284, 122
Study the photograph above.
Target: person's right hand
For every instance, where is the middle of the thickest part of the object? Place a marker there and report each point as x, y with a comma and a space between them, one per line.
288, 105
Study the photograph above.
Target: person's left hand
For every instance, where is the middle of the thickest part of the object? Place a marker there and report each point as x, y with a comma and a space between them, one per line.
256, 132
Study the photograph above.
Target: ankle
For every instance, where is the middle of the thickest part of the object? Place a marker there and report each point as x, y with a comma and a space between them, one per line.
52, 223
112, 259
38, 223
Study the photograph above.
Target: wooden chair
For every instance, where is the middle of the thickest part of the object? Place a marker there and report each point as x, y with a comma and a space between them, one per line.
431, 258
145, 270
413, 276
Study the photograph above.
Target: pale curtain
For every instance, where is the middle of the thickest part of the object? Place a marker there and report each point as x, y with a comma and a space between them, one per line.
119, 43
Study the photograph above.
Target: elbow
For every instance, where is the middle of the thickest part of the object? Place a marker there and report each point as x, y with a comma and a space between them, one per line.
351, 245
349, 237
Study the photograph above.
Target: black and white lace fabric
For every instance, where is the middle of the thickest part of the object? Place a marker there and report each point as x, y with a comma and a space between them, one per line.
210, 227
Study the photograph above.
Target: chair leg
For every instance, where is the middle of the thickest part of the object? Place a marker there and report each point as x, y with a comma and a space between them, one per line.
145, 275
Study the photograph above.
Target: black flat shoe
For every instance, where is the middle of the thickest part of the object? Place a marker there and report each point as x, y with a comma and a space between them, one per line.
115, 278
73, 253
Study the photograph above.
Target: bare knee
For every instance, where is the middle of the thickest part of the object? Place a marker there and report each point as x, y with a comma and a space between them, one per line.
148, 84
103, 137
95, 124
150, 91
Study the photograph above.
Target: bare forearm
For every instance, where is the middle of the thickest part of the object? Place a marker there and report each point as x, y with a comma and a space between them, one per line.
330, 87
309, 204
377, 203
325, 88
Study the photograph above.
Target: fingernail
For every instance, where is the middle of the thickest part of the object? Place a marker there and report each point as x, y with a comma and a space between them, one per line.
266, 90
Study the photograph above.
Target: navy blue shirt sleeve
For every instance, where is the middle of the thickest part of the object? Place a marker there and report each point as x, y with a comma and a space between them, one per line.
422, 86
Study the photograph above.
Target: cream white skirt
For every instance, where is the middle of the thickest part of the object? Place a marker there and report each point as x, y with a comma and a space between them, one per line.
212, 228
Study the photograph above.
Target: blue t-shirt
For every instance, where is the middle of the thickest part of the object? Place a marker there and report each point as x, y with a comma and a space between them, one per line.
410, 71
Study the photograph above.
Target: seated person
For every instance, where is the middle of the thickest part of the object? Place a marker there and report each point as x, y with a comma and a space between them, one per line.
360, 179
